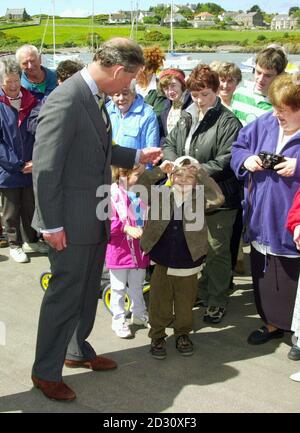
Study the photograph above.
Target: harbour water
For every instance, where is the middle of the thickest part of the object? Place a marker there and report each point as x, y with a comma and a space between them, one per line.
206, 58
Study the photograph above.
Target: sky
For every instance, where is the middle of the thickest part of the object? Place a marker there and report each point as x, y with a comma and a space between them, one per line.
78, 8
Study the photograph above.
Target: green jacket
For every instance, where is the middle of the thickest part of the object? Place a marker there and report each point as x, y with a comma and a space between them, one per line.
210, 144
159, 219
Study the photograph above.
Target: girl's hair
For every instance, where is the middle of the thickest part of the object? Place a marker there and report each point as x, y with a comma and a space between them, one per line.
118, 172
154, 60
285, 90
203, 76
167, 75
227, 70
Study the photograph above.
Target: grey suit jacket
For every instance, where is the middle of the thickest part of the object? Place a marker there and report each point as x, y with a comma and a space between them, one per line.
71, 159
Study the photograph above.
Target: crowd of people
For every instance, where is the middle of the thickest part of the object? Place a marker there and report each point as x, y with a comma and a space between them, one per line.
190, 163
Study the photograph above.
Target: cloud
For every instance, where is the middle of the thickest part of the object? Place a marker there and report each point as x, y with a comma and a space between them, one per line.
75, 13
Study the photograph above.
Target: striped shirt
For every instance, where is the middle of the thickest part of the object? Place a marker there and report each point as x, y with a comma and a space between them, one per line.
248, 105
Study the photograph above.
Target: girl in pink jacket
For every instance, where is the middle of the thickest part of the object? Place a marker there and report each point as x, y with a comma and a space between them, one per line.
124, 258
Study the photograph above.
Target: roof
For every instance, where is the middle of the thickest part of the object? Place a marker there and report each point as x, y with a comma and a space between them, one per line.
15, 11
246, 15
204, 14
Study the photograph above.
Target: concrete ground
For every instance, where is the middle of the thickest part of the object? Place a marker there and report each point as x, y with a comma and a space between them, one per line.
224, 375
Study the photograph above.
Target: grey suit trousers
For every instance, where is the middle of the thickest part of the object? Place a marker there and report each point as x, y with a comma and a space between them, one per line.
68, 309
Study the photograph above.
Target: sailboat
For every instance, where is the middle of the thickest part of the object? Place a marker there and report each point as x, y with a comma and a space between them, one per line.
56, 58
174, 60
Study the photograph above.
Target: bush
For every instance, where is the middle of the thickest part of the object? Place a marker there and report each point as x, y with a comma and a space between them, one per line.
261, 38
154, 36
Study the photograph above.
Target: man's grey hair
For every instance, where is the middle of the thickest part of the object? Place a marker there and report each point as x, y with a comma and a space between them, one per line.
26, 49
120, 51
7, 67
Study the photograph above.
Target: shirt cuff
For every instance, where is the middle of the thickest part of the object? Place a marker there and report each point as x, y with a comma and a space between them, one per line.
137, 157
56, 230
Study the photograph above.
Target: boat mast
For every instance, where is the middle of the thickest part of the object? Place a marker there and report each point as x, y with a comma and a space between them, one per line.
53, 25
136, 22
93, 26
171, 29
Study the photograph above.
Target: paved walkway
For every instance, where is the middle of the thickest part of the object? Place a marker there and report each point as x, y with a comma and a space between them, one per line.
224, 375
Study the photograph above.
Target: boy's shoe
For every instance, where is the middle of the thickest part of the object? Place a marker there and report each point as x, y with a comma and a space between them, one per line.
3, 241
121, 328
158, 348
184, 345
214, 314
201, 303
140, 321
36, 247
18, 255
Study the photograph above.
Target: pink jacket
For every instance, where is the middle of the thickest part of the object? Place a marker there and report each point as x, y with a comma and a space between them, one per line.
124, 252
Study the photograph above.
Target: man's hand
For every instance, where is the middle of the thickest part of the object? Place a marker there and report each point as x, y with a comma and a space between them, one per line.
150, 155
297, 237
286, 168
27, 167
57, 240
253, 163
133, 232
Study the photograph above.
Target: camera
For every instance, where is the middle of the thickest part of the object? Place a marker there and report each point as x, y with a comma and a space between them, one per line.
269, 160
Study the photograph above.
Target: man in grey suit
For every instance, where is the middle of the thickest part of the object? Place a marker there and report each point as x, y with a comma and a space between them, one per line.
72, 158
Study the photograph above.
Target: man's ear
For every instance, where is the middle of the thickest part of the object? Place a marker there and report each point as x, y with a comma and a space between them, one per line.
118, 70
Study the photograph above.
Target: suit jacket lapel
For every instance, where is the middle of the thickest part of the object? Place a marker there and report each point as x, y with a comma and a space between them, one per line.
94, 112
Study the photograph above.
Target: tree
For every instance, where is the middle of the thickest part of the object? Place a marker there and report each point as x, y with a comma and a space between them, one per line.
293, 9
212, 8
186, 12
152, 20
255, 8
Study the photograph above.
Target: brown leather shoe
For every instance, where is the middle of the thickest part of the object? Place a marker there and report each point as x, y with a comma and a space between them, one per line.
54, 390
100, 363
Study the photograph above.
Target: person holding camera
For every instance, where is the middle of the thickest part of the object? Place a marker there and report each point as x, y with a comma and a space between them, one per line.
266, 156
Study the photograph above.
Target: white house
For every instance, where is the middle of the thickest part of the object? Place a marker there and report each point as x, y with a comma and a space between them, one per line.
144, 14
284, 22
204, 19
177, 18
19, 14
118, 19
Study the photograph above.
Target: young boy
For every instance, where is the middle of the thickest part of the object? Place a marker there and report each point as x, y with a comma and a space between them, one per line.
177, 242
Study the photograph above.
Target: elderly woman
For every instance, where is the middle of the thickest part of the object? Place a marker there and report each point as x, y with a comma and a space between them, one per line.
270, 184
206, 131
16, 145
134, 123
230, 77
172, 84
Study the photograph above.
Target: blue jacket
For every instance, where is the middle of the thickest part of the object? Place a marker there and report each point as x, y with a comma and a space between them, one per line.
138, 128
50, 83
16, 142
268, 196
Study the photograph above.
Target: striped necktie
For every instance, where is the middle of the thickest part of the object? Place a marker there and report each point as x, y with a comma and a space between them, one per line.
101, 105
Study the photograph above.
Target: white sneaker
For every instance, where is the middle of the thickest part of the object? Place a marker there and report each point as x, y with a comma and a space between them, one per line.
121, 328
140, 321
18, 255
36, 247
295, 377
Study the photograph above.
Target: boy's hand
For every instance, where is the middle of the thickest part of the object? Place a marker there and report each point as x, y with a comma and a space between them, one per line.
297, 236
133, 232
167, 166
